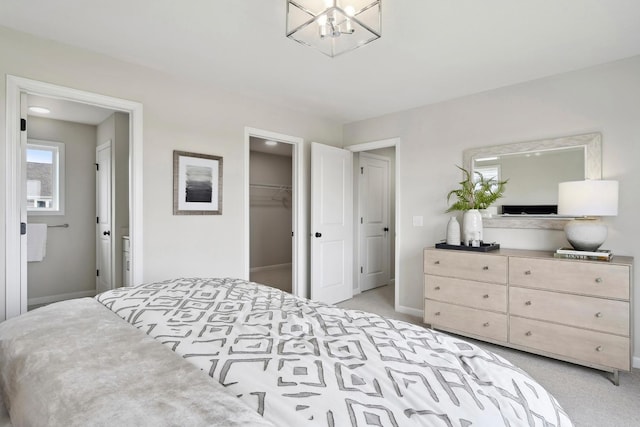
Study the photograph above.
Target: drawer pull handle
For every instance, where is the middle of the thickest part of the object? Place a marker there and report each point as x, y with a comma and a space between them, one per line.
485, 296
528, 333
599, 348
485, 324
437, 288
527, 303
436, 262
598, 314
598, 279
437, 313
527, 273
486, 267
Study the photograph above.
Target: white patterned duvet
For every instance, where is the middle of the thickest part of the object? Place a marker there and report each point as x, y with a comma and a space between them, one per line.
302, 363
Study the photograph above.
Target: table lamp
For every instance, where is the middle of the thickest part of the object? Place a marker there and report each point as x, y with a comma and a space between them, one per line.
587, 201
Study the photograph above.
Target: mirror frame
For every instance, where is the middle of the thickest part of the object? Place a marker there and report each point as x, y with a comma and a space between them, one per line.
592, 142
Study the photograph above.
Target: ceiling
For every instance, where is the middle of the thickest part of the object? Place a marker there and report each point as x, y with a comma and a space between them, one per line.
69, 111
279, 149
430, 50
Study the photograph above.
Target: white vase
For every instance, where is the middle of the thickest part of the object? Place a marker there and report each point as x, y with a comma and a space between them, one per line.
453, 232
472, 227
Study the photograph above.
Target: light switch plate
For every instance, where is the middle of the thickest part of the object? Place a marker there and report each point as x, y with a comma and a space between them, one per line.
418, 220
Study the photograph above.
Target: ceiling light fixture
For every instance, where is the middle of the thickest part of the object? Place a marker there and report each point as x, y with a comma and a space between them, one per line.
39, 110
334, 26
271, 143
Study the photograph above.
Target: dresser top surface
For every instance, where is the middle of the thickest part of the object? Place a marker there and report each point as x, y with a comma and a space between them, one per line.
527, 253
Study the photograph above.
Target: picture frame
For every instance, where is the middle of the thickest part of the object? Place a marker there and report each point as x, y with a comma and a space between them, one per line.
197, 184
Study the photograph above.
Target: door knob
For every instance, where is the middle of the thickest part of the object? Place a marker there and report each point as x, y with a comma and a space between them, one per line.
106, 233
386, 229
318, 234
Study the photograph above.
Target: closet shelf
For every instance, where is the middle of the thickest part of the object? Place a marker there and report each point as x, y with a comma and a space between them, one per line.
278, 193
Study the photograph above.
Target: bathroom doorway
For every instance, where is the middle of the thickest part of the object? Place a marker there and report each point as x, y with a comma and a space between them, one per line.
48, 133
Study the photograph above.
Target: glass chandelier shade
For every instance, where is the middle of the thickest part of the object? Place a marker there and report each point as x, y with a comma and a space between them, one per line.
334, 26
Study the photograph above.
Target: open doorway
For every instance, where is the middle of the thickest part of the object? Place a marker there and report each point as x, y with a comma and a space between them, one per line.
375, 204
66, 258
376, 208
68, 231
275, 252
271, 213
64, 253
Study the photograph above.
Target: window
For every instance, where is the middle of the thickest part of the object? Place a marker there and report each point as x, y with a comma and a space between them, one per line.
487, 172
45, 177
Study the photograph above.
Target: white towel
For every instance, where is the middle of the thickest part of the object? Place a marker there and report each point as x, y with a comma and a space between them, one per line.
36, 242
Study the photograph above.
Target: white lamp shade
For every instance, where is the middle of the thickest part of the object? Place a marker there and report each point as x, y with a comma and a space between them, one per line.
588, 198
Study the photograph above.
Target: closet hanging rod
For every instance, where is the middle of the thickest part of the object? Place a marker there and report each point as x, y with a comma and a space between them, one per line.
271, 186
58, 226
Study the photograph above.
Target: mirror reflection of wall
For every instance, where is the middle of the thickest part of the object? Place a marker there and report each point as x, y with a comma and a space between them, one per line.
534, 176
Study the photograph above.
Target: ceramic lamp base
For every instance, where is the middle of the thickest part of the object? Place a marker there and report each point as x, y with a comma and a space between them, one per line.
586, 234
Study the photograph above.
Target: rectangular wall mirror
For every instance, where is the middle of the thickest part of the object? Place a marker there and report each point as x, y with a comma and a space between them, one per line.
534, 169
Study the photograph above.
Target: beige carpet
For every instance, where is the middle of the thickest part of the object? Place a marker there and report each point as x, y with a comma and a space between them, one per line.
587, 395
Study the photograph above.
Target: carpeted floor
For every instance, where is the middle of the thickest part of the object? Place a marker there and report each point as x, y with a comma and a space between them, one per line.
587, 395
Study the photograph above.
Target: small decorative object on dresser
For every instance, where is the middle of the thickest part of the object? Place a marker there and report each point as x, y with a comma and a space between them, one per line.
473, 195
599, 255
453, 232
579, 311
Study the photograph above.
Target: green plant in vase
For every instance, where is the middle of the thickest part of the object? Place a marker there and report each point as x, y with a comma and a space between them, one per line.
472, 196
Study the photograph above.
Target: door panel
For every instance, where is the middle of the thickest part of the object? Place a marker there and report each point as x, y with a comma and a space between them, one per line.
104, 278
331, 223
374, 221
24, 296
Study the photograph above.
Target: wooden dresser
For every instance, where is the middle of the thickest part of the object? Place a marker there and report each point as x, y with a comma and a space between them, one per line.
577, 311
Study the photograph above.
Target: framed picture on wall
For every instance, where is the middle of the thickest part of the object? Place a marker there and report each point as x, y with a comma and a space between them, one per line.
197, 184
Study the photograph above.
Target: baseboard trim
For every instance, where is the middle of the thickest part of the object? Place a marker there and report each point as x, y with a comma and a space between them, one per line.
60, 297
636, 362
409, 310
269, 267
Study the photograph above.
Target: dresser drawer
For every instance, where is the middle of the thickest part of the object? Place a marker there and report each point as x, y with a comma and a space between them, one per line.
466, 320
486, 296
605, 280
464, 265
579, 344
586, 312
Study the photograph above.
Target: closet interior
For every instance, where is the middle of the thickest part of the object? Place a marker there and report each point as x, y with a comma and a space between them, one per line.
270, 213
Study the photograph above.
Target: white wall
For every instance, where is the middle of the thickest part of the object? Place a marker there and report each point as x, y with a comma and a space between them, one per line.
604, 99
178, 115
116, 129
270, 220
70, 264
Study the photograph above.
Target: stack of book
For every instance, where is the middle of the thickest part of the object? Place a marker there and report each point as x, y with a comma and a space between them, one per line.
598, 255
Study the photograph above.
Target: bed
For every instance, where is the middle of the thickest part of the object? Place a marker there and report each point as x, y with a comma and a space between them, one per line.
296, 362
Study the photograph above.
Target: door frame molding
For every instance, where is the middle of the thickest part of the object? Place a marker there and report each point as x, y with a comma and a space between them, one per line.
373, 145
359, 213
16, 290
299, 253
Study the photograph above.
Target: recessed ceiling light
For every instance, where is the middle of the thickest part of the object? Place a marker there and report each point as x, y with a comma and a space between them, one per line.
271, 143
39, 110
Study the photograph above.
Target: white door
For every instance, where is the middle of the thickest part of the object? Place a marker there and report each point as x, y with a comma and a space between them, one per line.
104, 276
23, 207
375, 241
331, 224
